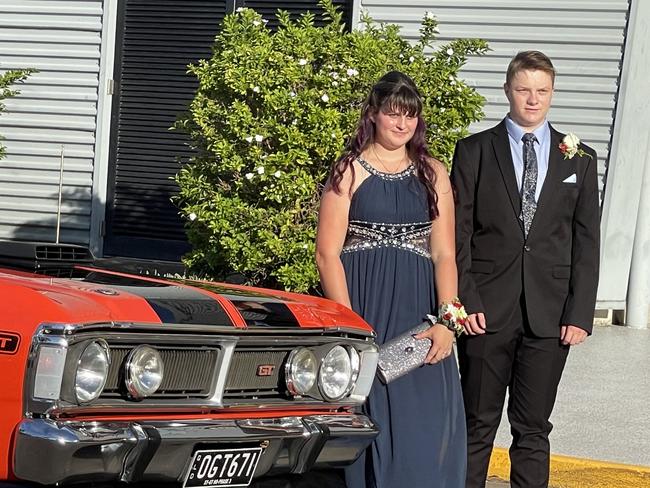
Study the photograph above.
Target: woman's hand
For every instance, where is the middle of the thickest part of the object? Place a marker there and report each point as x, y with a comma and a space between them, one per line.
442, 342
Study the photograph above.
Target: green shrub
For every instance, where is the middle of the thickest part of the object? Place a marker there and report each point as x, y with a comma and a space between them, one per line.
8, 79
273, 110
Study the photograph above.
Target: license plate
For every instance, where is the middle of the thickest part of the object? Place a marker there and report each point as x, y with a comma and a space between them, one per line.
223, 467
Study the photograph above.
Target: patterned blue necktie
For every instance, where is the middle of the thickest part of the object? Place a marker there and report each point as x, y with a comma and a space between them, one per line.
529, 182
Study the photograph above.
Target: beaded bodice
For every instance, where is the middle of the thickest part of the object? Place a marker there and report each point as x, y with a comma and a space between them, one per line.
389, 211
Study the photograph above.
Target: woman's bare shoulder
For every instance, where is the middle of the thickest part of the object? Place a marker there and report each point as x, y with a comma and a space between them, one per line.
443, 183
351, 177
437, 165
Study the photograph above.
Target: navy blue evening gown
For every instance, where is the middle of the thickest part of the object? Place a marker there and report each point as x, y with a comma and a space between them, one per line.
389, 272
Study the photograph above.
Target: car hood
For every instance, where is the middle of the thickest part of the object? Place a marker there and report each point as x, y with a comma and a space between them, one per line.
96, 295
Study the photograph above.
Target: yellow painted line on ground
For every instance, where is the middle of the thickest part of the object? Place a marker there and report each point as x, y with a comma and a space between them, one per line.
569, 472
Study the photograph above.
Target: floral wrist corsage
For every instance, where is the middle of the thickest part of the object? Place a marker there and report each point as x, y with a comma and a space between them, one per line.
452, 315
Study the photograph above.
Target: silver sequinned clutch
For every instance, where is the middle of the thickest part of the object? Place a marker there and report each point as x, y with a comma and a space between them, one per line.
403, 354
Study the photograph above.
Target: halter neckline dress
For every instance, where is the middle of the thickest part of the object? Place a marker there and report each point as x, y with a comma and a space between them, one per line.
390, 279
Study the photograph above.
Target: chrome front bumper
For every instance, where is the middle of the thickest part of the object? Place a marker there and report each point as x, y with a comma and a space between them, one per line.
48, 451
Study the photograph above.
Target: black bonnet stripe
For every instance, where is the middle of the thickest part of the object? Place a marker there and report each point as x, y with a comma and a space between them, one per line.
185, 305
257, 309
172, 303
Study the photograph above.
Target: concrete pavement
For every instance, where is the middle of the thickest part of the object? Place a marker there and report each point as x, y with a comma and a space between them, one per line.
601, 435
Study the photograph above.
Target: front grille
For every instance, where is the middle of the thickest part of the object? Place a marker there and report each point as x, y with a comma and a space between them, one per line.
249, 376
188, 372
206, 368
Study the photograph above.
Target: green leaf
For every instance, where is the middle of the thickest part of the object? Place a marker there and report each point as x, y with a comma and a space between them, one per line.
255, 201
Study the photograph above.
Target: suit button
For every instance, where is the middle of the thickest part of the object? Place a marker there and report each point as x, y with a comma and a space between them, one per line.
527, 248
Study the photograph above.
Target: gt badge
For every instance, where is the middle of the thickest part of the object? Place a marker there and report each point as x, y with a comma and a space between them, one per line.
9, 342
265, 369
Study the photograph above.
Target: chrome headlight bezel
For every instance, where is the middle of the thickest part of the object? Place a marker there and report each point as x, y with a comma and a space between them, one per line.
96, 349
295, 387
76, 360
349, 372
133, 366
318, 389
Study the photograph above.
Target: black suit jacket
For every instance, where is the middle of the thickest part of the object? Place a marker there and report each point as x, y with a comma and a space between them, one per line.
556, 267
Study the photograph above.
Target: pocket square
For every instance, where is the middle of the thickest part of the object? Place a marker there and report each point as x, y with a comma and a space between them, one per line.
570, 179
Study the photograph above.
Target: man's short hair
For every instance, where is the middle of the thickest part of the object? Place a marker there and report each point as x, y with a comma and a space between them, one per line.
530, 60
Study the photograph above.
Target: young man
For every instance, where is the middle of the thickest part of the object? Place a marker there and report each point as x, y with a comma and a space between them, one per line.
527, 232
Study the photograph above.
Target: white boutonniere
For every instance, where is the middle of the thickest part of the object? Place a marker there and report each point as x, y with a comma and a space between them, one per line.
570, 146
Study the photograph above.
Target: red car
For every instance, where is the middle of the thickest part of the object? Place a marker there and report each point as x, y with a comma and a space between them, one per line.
111, 377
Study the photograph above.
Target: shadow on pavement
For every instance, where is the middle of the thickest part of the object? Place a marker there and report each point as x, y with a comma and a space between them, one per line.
314, 479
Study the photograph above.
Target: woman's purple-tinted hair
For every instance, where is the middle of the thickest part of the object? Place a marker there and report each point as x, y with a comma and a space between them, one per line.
395, 91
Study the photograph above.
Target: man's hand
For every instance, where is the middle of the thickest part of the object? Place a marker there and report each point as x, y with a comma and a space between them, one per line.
475, 324
571, 335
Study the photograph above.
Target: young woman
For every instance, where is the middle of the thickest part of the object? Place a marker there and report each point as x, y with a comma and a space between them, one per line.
385, 248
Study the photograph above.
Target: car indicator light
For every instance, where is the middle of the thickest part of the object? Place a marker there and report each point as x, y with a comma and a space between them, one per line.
49, 372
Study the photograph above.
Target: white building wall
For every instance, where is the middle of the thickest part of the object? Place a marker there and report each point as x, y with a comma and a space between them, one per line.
56, 110
584, 38
625, 221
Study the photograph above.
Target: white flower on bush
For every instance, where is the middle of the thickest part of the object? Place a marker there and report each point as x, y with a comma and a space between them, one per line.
256, 23
192, 216
256, 89
239, 10
411, 59
450, 51
265, 21
260, 170
325, 98
429, 16
401, 55
313, 80
259, 138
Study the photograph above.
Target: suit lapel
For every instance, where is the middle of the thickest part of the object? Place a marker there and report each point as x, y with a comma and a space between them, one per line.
501, 146
551, 181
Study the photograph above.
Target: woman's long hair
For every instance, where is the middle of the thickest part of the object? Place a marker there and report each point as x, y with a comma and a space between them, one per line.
396, 92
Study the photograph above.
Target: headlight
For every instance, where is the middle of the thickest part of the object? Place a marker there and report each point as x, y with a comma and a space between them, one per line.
144, 372
301, 371
92, 371
335, 378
